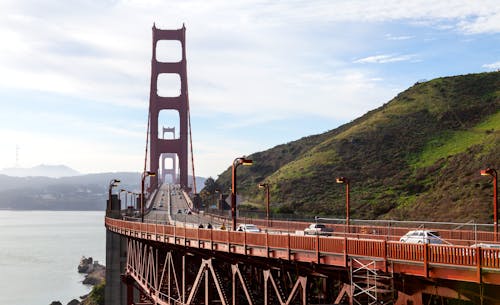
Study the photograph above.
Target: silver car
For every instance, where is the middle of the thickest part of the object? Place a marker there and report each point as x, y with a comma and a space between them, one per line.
422, 237
248, 228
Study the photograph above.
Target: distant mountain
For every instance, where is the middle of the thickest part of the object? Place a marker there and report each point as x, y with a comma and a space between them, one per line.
416, 157
82, 192
53, 171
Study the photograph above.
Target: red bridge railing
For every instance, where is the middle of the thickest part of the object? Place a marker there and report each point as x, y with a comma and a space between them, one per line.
440, 261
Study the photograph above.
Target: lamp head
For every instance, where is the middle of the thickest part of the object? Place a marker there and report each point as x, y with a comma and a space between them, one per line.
263, 185
149, 173
488, 172
245, 161
342, 180
242, 160
114, 182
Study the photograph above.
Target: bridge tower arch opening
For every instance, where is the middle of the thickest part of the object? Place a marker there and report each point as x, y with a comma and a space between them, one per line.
168, 168
169, 91
169, 160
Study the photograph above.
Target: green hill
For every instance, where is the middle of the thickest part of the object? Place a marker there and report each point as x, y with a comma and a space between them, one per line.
416, 157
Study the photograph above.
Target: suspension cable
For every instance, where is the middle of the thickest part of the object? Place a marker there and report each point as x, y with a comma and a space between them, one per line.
147, 142
189, 127
191, 146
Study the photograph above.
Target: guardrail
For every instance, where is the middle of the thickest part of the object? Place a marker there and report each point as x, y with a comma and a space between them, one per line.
453, 237
327, 250
390, 232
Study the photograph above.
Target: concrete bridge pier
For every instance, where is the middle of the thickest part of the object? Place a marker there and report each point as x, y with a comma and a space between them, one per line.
115, 292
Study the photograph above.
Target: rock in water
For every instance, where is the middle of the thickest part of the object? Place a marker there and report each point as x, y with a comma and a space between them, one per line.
85, 264
56, 303
74, 302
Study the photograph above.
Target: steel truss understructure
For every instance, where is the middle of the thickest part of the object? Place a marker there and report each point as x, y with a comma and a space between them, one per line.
156, 274
369, 285
165, 265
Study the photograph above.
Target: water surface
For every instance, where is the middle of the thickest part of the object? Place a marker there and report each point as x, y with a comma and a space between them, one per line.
40, 252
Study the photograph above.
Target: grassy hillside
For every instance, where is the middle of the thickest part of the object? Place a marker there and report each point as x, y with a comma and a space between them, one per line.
416, 157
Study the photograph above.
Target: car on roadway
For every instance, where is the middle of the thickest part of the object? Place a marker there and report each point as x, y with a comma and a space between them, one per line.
318, 229
247, 227
486, 246
422, 237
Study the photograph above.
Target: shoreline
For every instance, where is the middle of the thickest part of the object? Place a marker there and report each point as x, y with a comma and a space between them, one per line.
95, 275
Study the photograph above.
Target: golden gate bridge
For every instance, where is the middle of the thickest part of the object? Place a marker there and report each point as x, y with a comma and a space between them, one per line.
156, 252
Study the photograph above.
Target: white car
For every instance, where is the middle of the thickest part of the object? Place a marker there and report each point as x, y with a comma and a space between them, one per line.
318, 229
422, 237
248, 228
486, 246
495, 247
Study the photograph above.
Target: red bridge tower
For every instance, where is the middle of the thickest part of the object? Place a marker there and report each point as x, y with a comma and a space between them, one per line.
180, 103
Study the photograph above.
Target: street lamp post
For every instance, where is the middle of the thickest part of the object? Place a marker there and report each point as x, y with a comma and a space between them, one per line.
220, 205
124, 190
136, 196
344, 180
144, 175
132, 201
266, 187
237, 162
112, 183
493, 173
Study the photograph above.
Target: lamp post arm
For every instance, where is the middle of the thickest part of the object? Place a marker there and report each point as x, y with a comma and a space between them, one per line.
236, 163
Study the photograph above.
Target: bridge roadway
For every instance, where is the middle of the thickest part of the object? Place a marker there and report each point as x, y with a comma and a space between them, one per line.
171, 206
353, 246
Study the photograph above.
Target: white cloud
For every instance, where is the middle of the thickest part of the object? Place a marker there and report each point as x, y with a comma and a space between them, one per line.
383, 59
404, 37
255, 60
85, 49
464, 15
492, 66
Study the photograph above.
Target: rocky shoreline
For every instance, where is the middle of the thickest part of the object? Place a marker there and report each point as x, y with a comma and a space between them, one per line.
95, 274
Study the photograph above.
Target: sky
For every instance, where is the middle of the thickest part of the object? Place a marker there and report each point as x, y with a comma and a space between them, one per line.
75, 75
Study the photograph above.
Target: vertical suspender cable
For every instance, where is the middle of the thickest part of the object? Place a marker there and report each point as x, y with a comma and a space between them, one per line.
191, 146
147, 142
189, 126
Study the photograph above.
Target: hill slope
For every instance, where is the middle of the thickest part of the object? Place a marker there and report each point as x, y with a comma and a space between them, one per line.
416, 157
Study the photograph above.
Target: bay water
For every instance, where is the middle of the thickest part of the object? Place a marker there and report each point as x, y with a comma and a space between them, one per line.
40, 252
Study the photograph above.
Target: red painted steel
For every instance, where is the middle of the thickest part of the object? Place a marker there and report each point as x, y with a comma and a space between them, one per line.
435, 261
157, 103
456, 237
